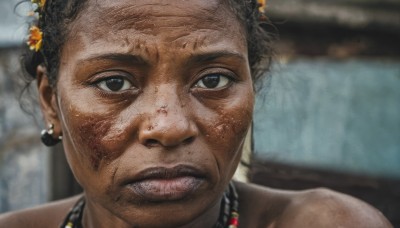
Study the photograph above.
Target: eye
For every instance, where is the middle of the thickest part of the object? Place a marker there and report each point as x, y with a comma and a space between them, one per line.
114, 84
213, 81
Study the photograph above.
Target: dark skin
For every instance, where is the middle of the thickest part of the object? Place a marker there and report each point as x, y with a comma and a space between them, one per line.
144, 85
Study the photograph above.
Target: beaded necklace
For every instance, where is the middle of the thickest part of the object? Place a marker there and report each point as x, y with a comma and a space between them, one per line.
228, 216
229, 209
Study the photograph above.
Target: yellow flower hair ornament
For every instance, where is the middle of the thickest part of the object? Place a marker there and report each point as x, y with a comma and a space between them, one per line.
35, 38
262, 5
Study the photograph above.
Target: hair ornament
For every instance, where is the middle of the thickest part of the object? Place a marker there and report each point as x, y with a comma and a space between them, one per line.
262, 4
39, 3
35, 37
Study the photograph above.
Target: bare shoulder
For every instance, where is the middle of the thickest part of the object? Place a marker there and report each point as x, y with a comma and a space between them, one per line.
326, 208
261, 206
270, 208
47, 215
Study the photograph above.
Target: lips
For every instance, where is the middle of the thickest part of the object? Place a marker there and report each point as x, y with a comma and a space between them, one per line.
166, 184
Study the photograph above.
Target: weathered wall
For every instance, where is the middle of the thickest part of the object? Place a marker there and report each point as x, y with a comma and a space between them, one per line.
378, 15
23, 160
330, 116
332, 101
341, 115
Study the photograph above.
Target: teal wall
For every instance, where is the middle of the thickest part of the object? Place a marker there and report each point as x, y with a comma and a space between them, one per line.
335, 115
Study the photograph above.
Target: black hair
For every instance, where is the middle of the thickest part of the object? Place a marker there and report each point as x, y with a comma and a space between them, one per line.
58, 14
259, 39
54, 22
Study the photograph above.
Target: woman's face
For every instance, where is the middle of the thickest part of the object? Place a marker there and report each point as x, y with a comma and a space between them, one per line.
154, 99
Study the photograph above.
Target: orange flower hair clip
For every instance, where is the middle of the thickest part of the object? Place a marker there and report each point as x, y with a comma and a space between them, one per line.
35, 37
262, 5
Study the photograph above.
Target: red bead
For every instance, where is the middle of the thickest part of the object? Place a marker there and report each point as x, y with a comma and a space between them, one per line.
234, 221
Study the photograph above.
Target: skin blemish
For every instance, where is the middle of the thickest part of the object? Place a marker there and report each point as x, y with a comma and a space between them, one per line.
147, 51
91, 132
195, 45
138, 45
126, 42
231, 127
199, 42
184, 45
163, 109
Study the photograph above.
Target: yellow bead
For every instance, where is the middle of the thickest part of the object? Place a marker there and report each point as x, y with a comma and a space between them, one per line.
69, 225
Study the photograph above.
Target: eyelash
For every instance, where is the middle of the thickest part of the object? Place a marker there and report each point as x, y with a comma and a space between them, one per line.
99, 81
102, 84
215, 82
224, 78
223, 73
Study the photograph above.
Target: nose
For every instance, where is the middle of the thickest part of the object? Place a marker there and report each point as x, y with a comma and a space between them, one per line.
168, 126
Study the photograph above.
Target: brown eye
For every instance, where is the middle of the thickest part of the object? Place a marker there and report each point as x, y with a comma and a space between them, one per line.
213, 81
115, 84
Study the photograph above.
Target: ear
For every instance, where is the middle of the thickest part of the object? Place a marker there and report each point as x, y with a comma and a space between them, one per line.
48, 100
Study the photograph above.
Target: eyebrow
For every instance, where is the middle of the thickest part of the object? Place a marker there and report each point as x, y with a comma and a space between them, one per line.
119, 57
211, 56
194, 58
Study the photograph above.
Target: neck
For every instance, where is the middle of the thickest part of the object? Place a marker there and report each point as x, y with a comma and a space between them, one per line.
95, 215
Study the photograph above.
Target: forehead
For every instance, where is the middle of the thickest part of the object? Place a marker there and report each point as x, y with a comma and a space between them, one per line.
162, 20
140, 11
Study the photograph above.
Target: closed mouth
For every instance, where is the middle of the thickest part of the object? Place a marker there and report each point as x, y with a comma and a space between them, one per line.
166, 184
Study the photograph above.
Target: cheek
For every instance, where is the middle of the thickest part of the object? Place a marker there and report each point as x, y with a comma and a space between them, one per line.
227, 129
232, 126
92, 138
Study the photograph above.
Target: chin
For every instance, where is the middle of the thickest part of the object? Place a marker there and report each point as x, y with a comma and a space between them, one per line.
167, 209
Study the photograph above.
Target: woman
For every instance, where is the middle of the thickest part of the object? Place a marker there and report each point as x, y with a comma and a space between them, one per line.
153, 100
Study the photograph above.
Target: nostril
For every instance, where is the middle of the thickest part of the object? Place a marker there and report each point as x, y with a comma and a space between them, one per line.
151, 143
167, 134
188, 140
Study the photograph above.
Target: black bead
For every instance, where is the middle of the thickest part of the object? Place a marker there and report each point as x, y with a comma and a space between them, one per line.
48, 139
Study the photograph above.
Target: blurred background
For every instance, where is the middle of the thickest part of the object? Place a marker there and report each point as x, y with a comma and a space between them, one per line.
328, 116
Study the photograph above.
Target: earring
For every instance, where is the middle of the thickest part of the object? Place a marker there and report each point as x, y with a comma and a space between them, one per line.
47, 136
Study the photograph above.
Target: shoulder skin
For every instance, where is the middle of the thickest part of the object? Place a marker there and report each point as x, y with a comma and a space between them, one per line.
47, 215
258, 207
268, 208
